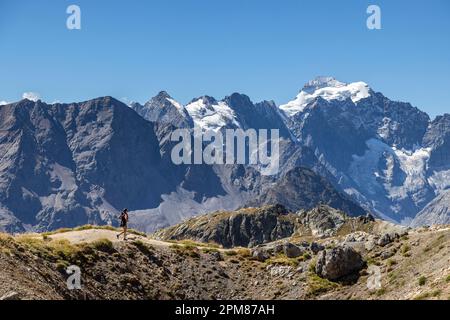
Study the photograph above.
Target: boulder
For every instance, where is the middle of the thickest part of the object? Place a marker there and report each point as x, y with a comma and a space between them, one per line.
387, 254
292, 251
216, 256
316, 247
260, 254
338, 262
366, 219
370, 244
386, 239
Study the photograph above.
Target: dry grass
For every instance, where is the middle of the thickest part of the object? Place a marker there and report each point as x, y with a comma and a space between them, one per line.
92, 227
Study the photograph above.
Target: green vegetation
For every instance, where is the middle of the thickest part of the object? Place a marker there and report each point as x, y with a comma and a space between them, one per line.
422, 296
372, 261
188, 250
448, 278
422, 281
244, 252
312, 266
62, 252
188, 242
282, 260
405, 250
391, 262
230, 253
436, 293
380, 292
317, 285
142, 247
104, 245
209, 250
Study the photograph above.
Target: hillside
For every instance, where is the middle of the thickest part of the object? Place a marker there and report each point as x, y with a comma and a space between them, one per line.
413, 264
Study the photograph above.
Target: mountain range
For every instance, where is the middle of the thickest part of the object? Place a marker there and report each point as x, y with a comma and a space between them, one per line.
344, 145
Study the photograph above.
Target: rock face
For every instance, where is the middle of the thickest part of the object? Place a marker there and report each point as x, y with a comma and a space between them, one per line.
436, 212
66, 165
292, 251
323, 221
336, 263
437, 138
164, 110
69, 164
302, 188
245, 227
387, 154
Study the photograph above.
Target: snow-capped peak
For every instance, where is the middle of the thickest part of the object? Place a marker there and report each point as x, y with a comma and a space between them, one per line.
322, 82
329, 89
210, 114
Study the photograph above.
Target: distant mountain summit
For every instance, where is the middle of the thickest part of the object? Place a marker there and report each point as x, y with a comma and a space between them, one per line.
384, 153
164, 109
341, 144
329, 89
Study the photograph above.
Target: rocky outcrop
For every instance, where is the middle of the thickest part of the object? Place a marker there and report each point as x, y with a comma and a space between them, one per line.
336, 263
323, 221
245, 227
302, 188
65, 165
436, 212
292, 251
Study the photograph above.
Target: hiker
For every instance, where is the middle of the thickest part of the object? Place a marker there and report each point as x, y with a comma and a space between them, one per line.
123, 224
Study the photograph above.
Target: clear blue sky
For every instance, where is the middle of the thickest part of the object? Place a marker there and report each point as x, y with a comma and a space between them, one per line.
265, 49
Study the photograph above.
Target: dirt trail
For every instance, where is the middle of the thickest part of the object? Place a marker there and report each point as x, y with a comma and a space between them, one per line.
91, 235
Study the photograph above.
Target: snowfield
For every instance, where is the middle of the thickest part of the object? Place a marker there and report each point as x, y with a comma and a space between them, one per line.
328, 89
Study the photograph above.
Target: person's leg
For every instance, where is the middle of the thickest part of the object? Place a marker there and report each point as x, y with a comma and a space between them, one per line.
120, 234
125, 232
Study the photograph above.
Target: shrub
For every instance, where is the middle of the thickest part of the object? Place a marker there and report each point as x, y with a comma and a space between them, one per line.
391, 262
380, 292
62, 265
436, 293
142, 247
422, 296
318, 285
104, 245
422, 280
209, 250
405, 249
312, 266
282, 260
244, 252
62, 248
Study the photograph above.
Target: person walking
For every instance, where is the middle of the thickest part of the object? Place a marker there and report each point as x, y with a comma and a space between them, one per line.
123, 224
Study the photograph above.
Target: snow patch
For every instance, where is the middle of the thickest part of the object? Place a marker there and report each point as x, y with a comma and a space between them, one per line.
440, 180
211, 116
388, 171
176, 104
33, 96
328, 89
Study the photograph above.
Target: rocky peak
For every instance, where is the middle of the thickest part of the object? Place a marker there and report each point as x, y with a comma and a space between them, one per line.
165, 110
322, 82
207, 100
323, 221
245, 227
238, 100
328, 89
